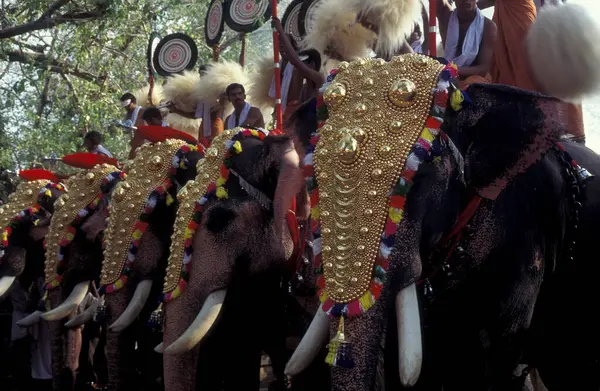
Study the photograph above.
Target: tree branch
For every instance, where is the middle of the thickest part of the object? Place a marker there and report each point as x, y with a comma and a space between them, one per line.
45, 62
46, 21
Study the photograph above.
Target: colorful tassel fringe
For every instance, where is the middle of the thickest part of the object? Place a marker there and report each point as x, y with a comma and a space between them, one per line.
340, 349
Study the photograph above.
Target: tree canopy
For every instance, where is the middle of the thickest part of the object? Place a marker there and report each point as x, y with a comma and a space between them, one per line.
65, 63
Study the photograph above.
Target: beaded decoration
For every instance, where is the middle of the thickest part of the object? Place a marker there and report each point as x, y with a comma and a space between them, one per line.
412, 81
69, 212
148, 183
213, 173
23, 203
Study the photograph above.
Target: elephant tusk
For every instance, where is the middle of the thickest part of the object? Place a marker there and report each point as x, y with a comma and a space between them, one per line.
311, 343
84, 317
70, 304
203, 322
5, 284
140, 296
160, 348
410, 346
30, 319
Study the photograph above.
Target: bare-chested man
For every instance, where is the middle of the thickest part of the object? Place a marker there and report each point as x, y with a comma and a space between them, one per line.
295, 71
469, 39
244, 114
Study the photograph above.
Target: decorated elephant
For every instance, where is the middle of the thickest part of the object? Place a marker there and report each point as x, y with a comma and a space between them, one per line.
227, 263
71, 263
401, 163
29, 209
136, 243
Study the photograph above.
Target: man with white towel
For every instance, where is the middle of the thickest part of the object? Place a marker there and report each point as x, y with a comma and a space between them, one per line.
244, 114
469, 39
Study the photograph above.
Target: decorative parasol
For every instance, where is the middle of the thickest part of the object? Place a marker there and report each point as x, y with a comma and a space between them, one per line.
246, 16
175, 53
291, 20
214, 23
38, 173
155, 134
307, 16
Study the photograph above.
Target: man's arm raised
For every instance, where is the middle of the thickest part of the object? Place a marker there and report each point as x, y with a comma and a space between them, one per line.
293, 58
444, 10
486, 52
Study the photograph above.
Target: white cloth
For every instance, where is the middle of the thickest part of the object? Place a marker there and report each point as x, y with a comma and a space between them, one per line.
243, 116
288, 73
203, 111
101, 150
131, 122
41, 355
473, 37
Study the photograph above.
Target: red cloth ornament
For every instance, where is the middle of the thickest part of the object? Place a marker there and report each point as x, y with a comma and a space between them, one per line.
88, 160
155, 134
37, 174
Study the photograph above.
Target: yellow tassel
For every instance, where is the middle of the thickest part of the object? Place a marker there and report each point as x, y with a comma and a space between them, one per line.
396, 215
221, 181
456, 100
170, 199
222, 193
426, 135
48, 193
315, 213
237, 147
324, 296
366, 300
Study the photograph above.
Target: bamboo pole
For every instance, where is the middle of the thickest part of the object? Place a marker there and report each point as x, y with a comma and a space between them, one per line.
277, 72
432, 28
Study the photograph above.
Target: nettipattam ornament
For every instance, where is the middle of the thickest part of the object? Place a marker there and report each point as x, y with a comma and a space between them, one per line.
149, 178
70, 210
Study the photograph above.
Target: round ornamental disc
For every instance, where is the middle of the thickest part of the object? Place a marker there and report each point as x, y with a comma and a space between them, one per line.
307, 16
291, 19
246, 16
214, 23
152, 44
175, 53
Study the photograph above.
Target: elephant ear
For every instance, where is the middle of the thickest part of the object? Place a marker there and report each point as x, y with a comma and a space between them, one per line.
507, 130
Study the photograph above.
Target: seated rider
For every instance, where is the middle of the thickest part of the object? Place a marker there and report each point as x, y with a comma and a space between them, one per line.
469, 39
244, 114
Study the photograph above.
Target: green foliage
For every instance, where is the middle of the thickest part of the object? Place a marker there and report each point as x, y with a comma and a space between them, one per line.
86, 66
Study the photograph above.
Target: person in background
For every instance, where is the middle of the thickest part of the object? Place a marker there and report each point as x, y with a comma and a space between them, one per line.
132, 111
92, 141
244, 114
294, 72
153, 117
510, 65
469, 39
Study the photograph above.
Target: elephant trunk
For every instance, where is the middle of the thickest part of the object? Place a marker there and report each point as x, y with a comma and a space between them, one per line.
135, 307
120, 347
70, 304
410, 347
5, 284
204, 321
85, 316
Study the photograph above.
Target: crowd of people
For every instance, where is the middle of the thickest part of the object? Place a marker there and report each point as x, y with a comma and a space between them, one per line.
484, 50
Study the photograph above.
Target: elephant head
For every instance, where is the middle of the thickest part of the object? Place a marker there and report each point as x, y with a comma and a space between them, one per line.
24, 220
136, 242
228, 252
387, 171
